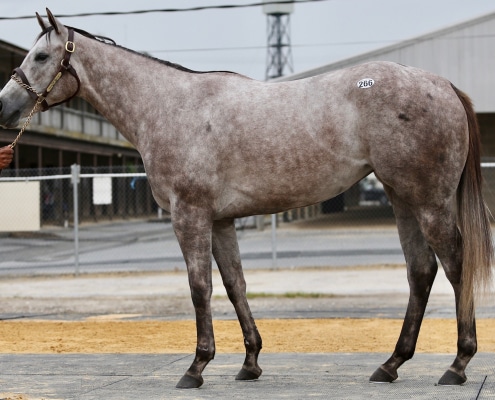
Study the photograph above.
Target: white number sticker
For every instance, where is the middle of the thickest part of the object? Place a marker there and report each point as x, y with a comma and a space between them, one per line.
365, 83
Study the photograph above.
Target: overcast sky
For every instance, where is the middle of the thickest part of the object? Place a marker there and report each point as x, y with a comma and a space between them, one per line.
235, 39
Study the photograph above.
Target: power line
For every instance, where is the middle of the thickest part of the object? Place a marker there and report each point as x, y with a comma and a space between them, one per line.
235, 48
308, 45
168, 10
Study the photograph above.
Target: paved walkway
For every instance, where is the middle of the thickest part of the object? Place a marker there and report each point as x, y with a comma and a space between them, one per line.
285, 376
144, 246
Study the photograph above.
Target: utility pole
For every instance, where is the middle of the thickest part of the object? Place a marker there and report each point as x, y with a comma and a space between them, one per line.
279, 54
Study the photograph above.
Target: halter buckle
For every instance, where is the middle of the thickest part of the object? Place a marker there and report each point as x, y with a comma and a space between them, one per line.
70, 47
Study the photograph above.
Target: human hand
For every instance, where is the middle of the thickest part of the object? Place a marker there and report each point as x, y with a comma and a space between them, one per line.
6, 156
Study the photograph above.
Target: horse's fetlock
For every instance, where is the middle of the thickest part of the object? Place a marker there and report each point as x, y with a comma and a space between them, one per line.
205, 353
403, 354
252, 347
406, 356
467, 347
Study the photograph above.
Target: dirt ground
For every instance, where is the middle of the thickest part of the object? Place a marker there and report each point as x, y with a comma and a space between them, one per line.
110, 335
15, 396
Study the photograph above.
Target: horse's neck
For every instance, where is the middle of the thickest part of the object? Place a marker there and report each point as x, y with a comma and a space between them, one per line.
121, 86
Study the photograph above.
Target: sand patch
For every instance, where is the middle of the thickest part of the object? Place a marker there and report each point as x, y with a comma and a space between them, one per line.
279, 335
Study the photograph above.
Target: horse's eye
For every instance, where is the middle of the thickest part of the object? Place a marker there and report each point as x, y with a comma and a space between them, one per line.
40, 57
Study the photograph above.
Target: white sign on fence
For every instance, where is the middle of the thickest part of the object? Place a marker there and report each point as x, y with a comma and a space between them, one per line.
102, 190
20, 206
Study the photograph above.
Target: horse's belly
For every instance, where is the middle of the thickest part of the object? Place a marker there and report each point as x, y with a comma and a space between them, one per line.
276, 193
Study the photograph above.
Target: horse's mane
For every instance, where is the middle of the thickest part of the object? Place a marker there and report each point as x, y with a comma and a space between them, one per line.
170, 64
111, 42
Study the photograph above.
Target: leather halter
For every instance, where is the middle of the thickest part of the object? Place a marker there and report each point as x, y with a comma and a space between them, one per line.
65, 66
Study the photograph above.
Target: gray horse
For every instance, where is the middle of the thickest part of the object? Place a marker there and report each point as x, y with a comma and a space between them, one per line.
218, 145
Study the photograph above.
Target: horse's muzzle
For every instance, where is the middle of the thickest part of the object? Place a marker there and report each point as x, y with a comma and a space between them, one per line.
9, 120
12, 121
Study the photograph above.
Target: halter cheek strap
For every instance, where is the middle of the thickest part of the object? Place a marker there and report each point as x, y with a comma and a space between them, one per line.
65, 66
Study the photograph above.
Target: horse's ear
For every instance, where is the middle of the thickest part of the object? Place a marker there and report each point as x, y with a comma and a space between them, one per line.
41, 22
53, 20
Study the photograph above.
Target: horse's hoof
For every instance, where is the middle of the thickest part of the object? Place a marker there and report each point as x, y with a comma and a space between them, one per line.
245, 375
450, 378
382, 376
189, 382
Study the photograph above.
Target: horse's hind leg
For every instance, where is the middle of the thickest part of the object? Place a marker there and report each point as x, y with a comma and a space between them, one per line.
421, 271
440, 229
226, 253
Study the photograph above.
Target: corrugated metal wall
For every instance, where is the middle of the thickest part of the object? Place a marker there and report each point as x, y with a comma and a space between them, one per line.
463, 53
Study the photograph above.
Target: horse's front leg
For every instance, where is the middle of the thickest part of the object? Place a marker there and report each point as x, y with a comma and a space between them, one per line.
193, 230
226, 253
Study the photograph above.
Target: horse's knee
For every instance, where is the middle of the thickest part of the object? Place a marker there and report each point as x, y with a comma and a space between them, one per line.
200, 293
235, 291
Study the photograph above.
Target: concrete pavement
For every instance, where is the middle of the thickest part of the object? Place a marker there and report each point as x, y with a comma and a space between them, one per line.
286, 376
144, 246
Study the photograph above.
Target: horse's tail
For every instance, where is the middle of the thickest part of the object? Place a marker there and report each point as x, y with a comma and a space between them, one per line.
473, 220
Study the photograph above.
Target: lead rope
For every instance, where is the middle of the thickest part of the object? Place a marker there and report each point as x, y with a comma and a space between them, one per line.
30, 116
33, 111
27, 122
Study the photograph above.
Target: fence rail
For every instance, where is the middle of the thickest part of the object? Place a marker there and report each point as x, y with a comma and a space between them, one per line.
128, 194
108, 193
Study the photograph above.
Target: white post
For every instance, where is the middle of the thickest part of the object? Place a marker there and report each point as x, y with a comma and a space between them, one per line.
75, 170
274, 240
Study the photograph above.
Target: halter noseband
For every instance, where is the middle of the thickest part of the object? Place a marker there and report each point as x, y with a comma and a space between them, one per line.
65, 66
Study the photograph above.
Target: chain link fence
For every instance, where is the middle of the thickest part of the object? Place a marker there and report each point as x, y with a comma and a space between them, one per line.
119, 193
104, 194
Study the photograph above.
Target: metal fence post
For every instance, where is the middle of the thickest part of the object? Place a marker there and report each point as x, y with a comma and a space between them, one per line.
75, 171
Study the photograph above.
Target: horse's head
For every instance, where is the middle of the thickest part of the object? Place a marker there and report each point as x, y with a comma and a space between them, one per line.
42, 73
